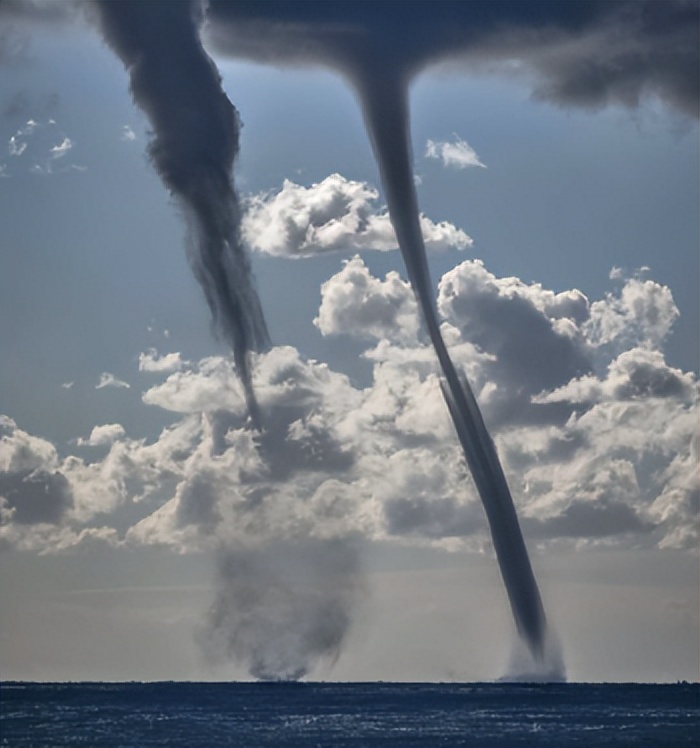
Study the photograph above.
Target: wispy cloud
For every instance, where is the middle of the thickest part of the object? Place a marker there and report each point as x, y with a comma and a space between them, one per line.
16, 147
43, 145
18, 143
128, 134
457, 154
62, 148
109, 380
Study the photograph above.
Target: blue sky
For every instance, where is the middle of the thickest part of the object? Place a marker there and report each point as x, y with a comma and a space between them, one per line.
594, 212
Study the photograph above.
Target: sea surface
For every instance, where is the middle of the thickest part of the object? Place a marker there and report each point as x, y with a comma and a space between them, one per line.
347, 714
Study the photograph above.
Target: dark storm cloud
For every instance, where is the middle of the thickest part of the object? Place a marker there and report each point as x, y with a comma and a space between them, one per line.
42, 11
18, 16
588, 53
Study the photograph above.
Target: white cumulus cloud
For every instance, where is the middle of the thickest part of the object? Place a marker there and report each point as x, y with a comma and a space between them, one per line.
102, 435
151, 361
333, 215
594, 455
355, 302
642, 312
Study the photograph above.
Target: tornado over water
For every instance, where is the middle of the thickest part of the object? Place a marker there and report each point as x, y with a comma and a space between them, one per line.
385, 109
195, 142
194, 145
576, 53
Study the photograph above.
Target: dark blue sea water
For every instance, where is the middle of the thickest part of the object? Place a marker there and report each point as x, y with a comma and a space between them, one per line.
347, 714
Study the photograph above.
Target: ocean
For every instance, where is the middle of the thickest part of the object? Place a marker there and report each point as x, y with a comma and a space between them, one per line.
347, 714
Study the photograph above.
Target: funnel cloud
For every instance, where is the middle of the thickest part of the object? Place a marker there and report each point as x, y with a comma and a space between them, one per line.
195, 142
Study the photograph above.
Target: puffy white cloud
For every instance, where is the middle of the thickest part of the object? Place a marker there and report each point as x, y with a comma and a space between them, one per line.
128, 134
622, 464
593, 454
33, 492
333, 215
634, 374
584, 443
234, 483
22, 451
210, 386
356, 303
98, 488
642, 313
678, 503
151, 361
457, 154
101, 435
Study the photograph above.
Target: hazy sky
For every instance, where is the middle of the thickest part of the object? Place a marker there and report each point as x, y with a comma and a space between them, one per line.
563, 245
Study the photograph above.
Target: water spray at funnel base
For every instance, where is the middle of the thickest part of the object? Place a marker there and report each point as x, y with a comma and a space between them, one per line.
384, 102
284, 608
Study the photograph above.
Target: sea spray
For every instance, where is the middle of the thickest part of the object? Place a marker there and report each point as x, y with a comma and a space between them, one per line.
281, 608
